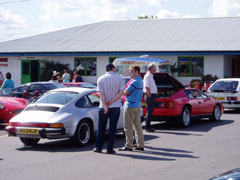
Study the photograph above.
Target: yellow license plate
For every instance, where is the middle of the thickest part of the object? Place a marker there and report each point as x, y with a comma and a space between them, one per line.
143, 103
28, 131
220, 98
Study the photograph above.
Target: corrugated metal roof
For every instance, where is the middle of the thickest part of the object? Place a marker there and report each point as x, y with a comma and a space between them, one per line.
158, 35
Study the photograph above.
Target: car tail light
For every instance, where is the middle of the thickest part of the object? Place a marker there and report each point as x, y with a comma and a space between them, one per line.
165, 104
231, 98
39, 125
57, 125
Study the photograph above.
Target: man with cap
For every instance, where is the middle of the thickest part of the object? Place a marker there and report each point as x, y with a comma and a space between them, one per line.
111, 87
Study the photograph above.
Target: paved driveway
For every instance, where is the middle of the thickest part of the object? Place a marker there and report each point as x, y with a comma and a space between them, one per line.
196, 153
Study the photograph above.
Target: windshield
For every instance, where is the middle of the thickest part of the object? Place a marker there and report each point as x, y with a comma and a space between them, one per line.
165, 68
224, 86
57, 98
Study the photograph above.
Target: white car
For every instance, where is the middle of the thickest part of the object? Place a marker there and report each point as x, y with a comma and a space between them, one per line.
60, 113
227, 91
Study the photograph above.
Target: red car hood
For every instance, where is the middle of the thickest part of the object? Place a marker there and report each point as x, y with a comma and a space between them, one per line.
13, 102
164, 80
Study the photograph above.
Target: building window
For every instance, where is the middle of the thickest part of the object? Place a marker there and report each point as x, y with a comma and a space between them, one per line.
86, 66
190, 66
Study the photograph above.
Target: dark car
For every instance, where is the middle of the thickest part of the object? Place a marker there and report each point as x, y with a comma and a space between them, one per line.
32, 89
80, 84
230, 175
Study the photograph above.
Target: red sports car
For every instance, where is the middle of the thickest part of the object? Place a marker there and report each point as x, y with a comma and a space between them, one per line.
79, 84
9, 107
175, 102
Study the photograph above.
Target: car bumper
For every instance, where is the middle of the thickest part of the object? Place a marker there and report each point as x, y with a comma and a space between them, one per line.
231, 104
38, 132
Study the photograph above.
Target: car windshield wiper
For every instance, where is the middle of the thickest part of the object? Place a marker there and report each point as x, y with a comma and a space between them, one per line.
217, 90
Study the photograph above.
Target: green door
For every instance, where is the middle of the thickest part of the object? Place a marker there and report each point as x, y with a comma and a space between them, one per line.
26, 71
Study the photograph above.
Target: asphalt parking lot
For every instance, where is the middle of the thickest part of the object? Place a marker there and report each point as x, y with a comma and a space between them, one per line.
196, 153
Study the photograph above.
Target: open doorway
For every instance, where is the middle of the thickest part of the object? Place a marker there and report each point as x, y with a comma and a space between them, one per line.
236, 68
30, 71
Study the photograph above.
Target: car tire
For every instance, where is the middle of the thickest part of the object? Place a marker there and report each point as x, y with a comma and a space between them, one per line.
185, 118
29, 141
84, 133
216, 115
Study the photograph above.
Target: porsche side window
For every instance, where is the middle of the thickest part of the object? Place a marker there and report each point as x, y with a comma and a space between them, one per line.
188, 94
196, 94
204, 95
83, 103
94, 100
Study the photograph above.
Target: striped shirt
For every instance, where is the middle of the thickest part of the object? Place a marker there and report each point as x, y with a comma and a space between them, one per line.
110, 84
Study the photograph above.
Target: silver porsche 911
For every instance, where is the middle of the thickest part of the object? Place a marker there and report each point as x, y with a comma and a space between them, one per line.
60, 113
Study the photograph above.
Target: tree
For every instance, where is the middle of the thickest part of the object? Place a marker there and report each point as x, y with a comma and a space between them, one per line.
147, 17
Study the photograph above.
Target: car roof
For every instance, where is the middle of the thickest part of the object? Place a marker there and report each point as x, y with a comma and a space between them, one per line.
43, 82
229, 79
141, 59
74, 89
76, 83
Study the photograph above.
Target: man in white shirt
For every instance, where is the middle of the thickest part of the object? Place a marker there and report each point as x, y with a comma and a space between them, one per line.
111, 87
150, 90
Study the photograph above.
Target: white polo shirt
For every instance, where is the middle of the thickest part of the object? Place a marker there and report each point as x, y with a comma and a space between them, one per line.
148, 81
110, 84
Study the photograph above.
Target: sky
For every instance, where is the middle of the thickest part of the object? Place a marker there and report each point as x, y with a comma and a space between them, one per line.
23, 18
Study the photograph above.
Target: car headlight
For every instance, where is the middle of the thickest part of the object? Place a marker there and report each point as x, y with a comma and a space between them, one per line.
1, 105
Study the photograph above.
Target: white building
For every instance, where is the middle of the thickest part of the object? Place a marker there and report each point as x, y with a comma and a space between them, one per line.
198, 46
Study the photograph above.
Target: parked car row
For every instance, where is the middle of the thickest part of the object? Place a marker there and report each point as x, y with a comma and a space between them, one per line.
26, 93
73, 112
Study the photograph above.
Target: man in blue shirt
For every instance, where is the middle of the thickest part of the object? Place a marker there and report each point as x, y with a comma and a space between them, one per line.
132, 111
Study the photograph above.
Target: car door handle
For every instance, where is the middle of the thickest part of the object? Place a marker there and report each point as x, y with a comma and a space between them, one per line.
199, 102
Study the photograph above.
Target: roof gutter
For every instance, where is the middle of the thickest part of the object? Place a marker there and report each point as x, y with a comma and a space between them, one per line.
135, 53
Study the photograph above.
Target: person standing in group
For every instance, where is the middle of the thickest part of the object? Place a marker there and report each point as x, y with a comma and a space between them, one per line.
150, 90
8, 84
66, 77
76, 77
132, 111
111, 87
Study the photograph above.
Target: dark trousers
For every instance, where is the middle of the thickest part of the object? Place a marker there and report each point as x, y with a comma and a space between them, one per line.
113, 115
150, 101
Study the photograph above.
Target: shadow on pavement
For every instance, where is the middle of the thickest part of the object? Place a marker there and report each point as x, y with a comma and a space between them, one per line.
65, 145
197, 125
231, 111
142, 157
168, 154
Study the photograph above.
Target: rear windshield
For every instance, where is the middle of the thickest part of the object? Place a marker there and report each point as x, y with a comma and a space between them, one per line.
221, 86
54, 86
57, 98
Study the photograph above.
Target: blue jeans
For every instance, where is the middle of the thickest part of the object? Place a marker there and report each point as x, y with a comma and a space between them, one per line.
113, 115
